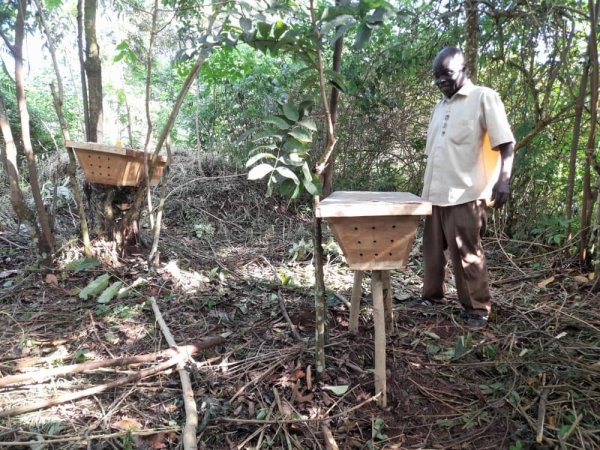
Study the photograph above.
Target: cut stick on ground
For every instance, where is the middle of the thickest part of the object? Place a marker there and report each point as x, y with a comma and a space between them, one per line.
191, 413
539, 435
42, 375
204, 344
329, 439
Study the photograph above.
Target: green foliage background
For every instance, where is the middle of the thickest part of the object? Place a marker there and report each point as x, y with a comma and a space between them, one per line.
262, 57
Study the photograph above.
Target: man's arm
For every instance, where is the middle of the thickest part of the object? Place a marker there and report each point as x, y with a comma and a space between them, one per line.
501, 190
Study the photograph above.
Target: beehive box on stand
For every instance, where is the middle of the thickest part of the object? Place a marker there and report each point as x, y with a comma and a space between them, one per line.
114, 165
375, 230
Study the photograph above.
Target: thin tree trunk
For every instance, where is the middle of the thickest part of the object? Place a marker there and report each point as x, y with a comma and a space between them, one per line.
46, 242
330, 141
472, 44
594, 8
9, 156
80, 52
579, 105
93, 70
148, 117
58, 96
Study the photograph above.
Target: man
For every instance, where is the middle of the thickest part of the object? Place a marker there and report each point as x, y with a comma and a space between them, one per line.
470, 149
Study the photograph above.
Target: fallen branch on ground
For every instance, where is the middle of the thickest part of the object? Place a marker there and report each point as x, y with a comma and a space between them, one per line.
179, 357
191, 413
41, 375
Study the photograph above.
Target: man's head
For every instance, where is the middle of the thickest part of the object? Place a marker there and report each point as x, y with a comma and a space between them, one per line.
449, 70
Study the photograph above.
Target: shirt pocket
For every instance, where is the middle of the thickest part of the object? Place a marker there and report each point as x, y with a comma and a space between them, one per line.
461, 132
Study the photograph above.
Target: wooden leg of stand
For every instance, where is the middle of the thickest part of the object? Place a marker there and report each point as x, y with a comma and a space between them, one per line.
355, 302
387, 302
379, 319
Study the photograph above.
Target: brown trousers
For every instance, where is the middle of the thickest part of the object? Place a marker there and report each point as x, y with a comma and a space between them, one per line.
458, 229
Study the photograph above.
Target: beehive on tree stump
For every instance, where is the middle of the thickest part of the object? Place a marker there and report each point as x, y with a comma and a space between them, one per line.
114, 165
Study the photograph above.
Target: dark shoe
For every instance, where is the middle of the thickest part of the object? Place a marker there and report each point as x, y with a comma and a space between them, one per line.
437, 301
476, 321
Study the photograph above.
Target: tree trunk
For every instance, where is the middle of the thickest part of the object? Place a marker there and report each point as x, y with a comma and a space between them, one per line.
46, 241
472, 44
58, 97
80, 52
579, 105
9, 158
93, 70
594, 8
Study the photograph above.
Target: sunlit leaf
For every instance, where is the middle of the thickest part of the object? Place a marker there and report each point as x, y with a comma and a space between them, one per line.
110, 292
287, 173
258, 157
337, 390
308, 124
95, 287
260, 171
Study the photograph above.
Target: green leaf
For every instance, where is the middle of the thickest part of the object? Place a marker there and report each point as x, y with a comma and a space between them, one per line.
301, 134
82, 264
110, 292
279, 122
82, 355
337, 390
430, 334
260, 171
264, 29
279, 28
363, 35
337, 80
293, 145
95, 287
313, 186
291, 111
258, 157
262, 413
463, 345
287, 173
309, 124
245, 24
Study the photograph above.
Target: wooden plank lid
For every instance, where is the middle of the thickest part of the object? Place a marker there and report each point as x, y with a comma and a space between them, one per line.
364, 204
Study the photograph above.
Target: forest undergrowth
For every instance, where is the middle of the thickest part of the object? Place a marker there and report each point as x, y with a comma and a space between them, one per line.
237, 266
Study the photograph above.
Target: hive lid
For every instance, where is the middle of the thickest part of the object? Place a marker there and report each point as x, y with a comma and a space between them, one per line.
364, 203
112, 149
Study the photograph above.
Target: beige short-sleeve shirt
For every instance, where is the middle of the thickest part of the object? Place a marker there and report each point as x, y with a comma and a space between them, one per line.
461, 163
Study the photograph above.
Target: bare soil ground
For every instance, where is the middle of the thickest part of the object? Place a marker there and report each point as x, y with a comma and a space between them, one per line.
226, 269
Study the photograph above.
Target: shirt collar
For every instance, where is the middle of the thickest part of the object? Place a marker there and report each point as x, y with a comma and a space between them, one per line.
465, 90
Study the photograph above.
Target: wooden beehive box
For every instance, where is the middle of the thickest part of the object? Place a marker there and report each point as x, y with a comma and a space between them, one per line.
114, 165
374, 229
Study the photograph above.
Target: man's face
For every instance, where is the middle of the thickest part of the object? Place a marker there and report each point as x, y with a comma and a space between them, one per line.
449, 74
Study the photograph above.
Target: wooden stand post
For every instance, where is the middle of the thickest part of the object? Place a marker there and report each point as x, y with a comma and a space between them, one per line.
355, 302
387, 303
379, 320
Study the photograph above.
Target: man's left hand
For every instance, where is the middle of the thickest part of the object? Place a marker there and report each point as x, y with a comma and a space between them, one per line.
500, 194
